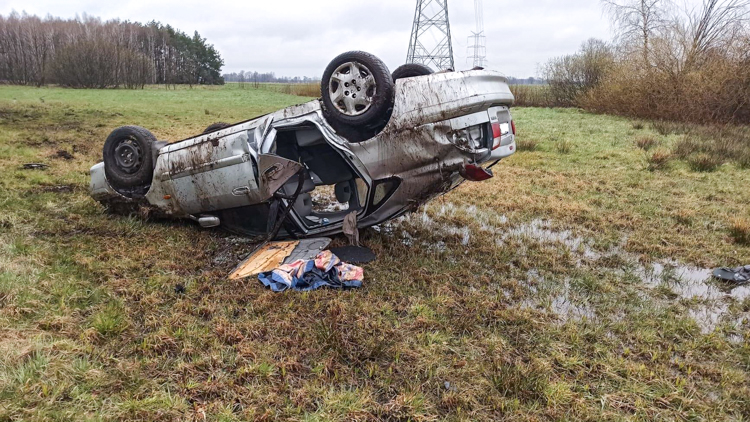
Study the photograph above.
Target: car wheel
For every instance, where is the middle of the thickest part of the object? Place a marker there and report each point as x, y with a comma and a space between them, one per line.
357, 89
411, 70
216, 126
129, 157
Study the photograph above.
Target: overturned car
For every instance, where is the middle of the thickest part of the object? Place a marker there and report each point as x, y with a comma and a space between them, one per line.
375, 146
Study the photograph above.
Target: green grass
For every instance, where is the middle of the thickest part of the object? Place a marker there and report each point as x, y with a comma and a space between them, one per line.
521, 298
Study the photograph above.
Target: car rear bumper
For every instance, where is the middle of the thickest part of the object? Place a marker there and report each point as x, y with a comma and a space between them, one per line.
444, 96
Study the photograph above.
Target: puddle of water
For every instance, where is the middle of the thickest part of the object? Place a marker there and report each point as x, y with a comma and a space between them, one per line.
559, 303
541, 231
690, 282
710, 301
567, 309
695, 284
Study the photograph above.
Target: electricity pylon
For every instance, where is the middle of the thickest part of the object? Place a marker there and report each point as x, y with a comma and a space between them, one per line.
431, 43
477, 40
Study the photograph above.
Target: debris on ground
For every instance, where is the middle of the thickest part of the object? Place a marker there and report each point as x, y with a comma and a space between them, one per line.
266, 258
350, 228
35, 166
308, 249
326, 270
740, 275
354, 254
273, 254
57, 189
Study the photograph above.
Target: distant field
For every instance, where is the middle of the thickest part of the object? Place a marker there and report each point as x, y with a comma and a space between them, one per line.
569, 287
302, 90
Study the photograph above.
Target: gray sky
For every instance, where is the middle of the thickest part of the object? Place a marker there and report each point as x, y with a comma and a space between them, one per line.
299, 38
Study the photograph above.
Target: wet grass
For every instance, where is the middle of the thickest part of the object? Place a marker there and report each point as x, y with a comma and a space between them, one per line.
566, 288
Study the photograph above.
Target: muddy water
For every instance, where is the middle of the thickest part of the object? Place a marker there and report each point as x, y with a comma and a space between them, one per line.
710, 299
707, 301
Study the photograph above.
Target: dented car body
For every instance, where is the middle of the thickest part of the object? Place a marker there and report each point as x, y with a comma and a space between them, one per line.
292, 167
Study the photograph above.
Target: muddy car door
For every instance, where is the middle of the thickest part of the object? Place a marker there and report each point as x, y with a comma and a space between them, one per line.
214, 172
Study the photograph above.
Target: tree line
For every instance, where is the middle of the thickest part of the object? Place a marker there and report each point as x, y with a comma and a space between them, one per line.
87, 52
668, 62
269, 77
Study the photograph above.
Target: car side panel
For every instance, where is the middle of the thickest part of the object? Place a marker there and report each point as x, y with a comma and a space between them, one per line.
214, 174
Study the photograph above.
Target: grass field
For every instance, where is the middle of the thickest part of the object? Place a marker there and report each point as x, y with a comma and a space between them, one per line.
569, 287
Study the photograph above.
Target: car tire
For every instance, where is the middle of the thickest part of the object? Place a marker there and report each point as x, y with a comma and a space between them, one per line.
216, 126
357, 90
129, 157
411, 70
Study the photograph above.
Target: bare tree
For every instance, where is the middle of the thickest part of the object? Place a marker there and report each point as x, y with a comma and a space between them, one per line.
638, 21
718, 24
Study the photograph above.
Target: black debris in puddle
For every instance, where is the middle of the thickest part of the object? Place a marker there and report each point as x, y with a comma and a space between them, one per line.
35, 166
740, 275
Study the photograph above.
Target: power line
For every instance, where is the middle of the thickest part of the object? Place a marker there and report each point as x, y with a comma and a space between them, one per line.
431, 19
477, 40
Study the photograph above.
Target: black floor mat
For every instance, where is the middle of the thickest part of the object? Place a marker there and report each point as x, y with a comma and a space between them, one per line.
354, 254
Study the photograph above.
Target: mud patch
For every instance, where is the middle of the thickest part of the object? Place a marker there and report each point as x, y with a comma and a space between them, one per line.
14, 115
60, 189
232, 250
64, 155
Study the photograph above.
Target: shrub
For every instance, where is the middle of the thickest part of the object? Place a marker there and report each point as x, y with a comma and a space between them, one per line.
563, 146
526, 144
704, 162
696, 69
638, 125
532, 96
646, 143
706, 148
744, 160
687, 147
572, 76
666, 128
658, 160
739, 229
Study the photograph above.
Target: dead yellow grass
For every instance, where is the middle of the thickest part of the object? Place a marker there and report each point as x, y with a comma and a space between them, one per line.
739, 229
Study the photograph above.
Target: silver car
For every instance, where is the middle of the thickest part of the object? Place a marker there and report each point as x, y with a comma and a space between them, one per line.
375, 146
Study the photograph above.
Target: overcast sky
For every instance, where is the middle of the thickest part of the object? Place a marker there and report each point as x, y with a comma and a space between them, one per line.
299, 38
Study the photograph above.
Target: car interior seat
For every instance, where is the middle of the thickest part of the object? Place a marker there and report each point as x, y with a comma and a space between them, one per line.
303, 205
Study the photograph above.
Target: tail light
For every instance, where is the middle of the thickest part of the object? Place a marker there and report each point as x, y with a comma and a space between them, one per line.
475, 173
496, 132
513, 126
